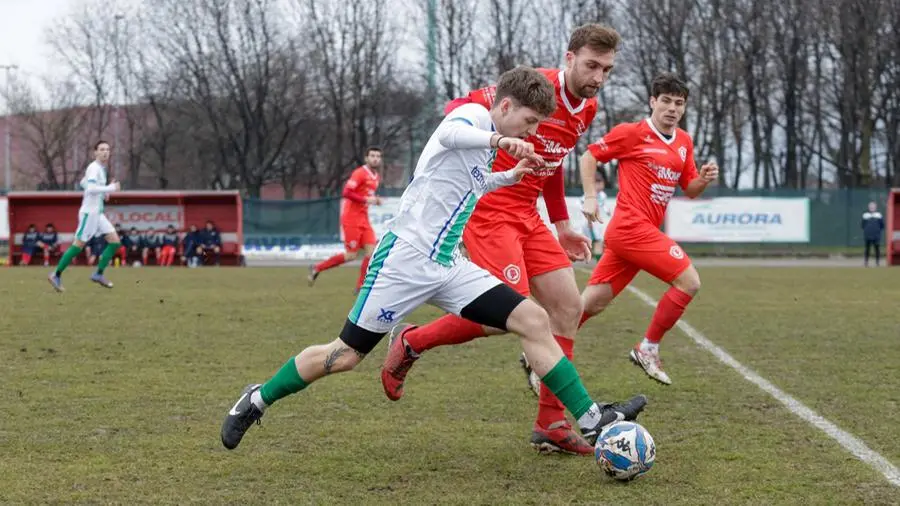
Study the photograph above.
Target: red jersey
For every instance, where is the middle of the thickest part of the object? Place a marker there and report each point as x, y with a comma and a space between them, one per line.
556, 136
362, 184
649, 167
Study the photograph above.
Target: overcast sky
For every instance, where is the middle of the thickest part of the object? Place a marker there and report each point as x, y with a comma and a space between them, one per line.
22, 28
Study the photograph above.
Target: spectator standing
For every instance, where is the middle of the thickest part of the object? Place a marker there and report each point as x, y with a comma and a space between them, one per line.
873, 231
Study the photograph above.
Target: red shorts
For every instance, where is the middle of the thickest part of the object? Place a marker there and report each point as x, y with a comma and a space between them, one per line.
644, 249
356, 235
514, 251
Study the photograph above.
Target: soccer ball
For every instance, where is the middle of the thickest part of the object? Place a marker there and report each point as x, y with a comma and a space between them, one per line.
625, 450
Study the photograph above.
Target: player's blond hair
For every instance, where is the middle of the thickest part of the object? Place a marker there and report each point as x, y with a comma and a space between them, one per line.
600, 38
528, 88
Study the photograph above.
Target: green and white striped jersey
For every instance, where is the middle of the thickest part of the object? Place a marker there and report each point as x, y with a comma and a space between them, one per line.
453, 172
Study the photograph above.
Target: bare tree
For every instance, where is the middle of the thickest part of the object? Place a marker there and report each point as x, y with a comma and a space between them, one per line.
353, 67
82, 40
238, 69
52, 129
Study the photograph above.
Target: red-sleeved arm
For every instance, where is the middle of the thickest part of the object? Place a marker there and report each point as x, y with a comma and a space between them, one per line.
555, 197
689, 173
614, 144
353, 188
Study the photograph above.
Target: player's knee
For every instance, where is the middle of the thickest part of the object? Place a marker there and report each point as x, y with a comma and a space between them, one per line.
529, 320
566, 311
688, 282
351, 255
596, 298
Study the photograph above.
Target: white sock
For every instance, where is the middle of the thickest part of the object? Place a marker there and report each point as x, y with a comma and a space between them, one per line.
257, 400
649, 347
591, 418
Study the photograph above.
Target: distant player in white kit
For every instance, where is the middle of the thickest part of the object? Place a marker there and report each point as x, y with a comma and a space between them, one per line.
91, 220
596, 230
417, 261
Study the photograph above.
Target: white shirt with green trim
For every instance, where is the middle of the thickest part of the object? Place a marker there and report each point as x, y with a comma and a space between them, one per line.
453, 172
95, 188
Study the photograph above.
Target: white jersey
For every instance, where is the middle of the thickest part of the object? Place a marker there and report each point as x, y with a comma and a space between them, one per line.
452, 173
595, 231
95, 189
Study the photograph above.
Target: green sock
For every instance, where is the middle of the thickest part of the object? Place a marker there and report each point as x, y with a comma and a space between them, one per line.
107, 255
286, 381
67, 257
565, 384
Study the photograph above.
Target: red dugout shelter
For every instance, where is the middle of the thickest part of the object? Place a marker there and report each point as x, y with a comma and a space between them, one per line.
143, 210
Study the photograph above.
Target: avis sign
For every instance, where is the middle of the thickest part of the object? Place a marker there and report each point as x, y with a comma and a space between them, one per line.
739, 219
146, 217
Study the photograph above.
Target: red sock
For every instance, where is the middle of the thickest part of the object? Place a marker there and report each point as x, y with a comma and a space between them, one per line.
26, 259
670, 308
334, 261
550, 410
584, 317
362, 272
444, 331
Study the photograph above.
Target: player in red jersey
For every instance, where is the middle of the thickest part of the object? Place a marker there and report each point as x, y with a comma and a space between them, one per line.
654, 155
507, 236
356, 231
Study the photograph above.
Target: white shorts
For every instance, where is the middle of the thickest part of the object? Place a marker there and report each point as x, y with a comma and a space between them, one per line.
400, 279
595, 231
91, 225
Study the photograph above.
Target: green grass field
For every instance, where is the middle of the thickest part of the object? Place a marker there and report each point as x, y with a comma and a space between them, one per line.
118, 396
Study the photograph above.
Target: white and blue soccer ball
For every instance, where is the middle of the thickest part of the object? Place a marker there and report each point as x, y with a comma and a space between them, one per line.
625, 450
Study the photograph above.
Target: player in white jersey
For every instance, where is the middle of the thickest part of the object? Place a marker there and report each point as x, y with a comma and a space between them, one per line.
91, 220
596, 230
417, 260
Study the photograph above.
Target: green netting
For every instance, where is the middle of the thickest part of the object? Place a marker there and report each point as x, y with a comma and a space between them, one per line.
835, 215
312, 221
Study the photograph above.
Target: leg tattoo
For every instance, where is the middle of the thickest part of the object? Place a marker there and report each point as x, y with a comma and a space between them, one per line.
337, 353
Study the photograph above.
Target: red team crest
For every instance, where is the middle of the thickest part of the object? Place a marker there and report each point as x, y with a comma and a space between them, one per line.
512, 273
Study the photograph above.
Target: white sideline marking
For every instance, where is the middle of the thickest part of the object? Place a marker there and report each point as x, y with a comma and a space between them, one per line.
850, 442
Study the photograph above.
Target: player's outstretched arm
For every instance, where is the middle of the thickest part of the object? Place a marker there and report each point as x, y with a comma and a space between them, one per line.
460, 133
92, 188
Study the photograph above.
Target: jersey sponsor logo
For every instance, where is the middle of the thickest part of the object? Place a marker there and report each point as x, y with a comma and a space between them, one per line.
556, 121
648, 139
676, 252
512, 273
659, 151
479, 178
682, 152
663, 172
546, 171
661, 194
552, 147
